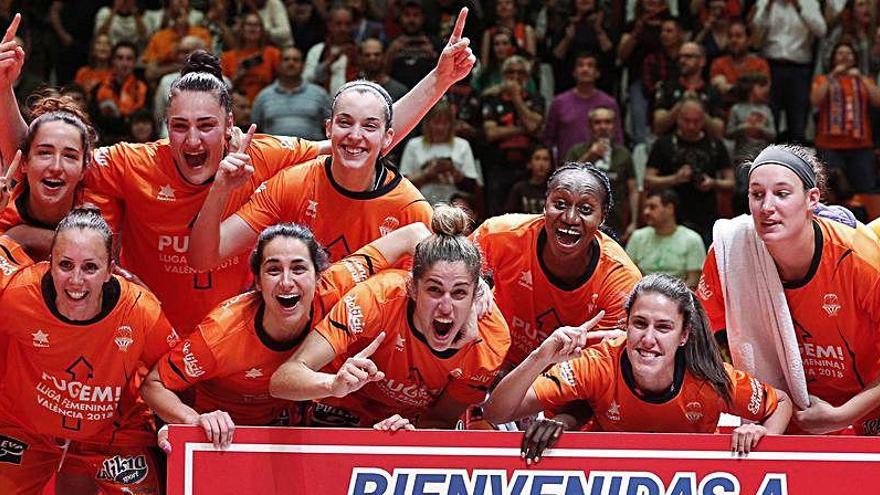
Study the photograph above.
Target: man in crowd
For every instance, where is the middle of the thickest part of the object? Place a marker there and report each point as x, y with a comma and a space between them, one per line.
372, 64
688, 83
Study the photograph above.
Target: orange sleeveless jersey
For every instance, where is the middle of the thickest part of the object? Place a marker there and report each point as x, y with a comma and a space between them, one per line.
75, 380
148, 202
230, 358
602, 377
835, 312
532, 300
415, 375
343, 221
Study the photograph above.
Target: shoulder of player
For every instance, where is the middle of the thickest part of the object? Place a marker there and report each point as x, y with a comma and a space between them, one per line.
494, 335
230, 319
511, 226
386, 286
841, 242
613, 254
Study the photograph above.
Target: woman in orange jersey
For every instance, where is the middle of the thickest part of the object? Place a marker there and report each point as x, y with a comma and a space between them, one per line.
830, 278
253, 65
77, 335
152, 192
229, 360
54, 157
665, 375
541, 263
403, 349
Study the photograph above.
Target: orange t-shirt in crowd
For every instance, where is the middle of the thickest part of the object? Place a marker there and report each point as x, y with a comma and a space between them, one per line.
416, 376
74, 380
263, 68
162, 47
532, 300
342, 221
230, 358
854, 107
835, 310
602, 376
725, 66
90, 78
129, 97
142, 182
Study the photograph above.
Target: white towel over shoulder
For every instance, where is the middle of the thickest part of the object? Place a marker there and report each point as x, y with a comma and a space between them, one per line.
759, 328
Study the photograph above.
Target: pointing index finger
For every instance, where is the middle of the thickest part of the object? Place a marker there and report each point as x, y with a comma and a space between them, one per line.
13, 167
12, 29
246, 140
592, 321
458, 30
370, 349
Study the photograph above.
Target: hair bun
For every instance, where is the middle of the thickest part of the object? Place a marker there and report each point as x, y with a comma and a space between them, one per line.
450, 220
202, 61
48, 101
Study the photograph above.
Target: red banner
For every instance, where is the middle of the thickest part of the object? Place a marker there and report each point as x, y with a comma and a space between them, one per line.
364, 462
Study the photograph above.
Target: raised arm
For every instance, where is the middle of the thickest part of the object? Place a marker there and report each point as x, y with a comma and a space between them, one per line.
11, 61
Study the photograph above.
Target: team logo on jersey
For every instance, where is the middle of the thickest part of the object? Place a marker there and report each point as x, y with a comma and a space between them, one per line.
355, 315
311, 209
260, 188
172, 339
613, 412
190, 362
567, 373
11, 449
253, 373
41, 338
124, 470
390, 224
693, 411
100, 156
124, 337
703, 290
166, 193
6, 267
400, 344
525, 279
456, 373
831, 304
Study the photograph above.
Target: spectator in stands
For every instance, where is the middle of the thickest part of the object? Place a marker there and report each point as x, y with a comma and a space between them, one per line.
254, 64
162, 53
564, 127
216, 21
588, 30
726, 70
364, 27
159, 19
372, 64
661, 65
124, 21
641, 37
664, 246
291, 106
789, 30
523, 34
89, 76
750, 123
695, 164
121, 93
308, 26
77, 95
412, 54
615, 161
843, 137
713, 30
512, 119
529, 195
72, 23
439, 163
142, 127
241, 108
503, 46
331, 63
689, 83
274, 17
857, 24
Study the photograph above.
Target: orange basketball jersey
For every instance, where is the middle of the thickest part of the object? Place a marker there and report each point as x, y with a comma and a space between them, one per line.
415, 375
533, 301
343, 221
835, 311
230, 358
74, 379
141, 182
602, 376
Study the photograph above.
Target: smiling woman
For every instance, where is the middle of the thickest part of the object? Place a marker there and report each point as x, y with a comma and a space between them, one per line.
541, 263
403, 349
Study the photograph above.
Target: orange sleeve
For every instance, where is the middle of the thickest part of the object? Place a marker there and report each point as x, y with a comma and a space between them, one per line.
612, 299
418, 211
354, 318
709, 292
273, 200
160, 335
752, 399
276, 153
479, 237
12, 260
104, 184
572, 380
343, 275
189, 362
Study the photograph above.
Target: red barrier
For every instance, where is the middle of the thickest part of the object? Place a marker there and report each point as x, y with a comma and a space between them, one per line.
364, 462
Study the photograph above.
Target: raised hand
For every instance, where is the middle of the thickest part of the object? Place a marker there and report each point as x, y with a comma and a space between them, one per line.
11, 55
566, 343
457, 59
235, 168
358, 370
5, 190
